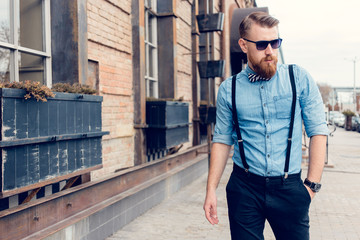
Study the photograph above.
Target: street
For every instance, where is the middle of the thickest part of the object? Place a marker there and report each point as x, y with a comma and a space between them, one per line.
334, 212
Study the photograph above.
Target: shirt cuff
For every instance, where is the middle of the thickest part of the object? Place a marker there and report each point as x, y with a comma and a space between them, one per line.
319, 130
225, 139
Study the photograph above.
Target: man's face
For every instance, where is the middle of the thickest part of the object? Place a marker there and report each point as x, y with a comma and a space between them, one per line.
263, 62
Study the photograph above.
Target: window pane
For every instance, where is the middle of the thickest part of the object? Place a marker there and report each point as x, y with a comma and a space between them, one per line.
152, 64
151, 27
153, 87
31, 27
4, 65
5, 21
146, 60
31, 67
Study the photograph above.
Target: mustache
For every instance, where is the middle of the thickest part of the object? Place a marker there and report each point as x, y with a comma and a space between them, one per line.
268, 58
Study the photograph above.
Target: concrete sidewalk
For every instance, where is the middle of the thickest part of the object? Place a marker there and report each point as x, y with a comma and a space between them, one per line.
334, 213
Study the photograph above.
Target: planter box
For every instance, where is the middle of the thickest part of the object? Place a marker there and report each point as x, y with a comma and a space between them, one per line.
211, 69
207, 114
210, 22
44, 142
168, 124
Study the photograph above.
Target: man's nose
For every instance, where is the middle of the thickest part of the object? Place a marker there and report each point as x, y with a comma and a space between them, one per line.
269, 50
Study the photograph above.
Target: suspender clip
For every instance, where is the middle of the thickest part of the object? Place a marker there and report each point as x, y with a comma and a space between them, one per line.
240, 140
286, 175
290, 139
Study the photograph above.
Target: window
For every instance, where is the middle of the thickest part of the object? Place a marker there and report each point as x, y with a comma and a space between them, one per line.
151, 52
25, 52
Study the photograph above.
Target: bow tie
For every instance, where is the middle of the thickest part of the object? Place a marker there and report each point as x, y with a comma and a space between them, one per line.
255, 77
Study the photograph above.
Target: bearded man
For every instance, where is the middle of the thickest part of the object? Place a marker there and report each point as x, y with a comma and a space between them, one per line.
262, 109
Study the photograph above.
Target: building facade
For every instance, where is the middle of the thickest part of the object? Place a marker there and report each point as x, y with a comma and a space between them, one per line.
157, 64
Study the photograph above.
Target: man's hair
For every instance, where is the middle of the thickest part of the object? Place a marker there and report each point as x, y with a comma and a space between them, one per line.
261, 18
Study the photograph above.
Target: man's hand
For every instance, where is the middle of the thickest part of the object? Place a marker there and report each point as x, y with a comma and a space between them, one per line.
210, 207
311, 193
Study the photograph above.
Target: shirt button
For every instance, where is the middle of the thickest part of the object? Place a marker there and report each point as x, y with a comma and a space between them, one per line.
268, 155
267, 136
262, 87
264, 104
266, 122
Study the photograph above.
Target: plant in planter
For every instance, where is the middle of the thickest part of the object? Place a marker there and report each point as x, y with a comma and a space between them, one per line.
46, 137
348, 115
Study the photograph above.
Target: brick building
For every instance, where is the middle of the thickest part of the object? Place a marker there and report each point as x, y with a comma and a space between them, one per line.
135, 54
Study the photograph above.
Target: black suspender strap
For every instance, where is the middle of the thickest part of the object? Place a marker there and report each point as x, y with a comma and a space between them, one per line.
293, 87
236, 123
237, 127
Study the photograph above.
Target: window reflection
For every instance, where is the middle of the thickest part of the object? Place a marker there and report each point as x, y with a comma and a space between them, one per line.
31, 67
4, 65
31, 33
5, 21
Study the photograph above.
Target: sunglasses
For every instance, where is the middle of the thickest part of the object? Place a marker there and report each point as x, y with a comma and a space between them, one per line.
262, 45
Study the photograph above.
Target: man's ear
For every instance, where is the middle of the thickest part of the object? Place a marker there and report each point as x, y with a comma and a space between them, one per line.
243, 45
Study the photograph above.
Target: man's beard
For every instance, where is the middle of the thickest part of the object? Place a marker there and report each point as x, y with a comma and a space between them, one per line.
264, 69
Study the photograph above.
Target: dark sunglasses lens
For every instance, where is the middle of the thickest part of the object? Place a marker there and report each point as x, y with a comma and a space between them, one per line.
262, 45
275, 44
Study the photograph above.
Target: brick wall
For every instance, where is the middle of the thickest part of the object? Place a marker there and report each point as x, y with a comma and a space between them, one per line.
184, 73
109, 43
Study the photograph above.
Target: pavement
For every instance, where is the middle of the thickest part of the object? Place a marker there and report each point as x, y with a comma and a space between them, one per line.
334, 212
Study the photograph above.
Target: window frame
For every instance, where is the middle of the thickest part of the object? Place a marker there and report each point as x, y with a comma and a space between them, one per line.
151, 46
16, 50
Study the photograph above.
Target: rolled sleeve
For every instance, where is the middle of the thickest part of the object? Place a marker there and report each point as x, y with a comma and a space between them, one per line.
312, 105
224, 126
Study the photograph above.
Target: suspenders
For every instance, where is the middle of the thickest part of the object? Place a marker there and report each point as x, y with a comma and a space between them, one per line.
237, 128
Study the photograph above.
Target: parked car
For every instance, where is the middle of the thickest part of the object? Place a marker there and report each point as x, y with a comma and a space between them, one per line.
339, 120
355, 123
332, 115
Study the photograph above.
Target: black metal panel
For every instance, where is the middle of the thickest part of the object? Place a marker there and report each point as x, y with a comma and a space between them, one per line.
21, 165
166, 113
21, 122
211, 69
70, 120
62, 118
54, 158
8, 116
53, 117
33, 119
44, 140
45, 163
10, 167
33, 170
207, 114
168, 123
165, 138
69, 41
71, 148
44, 120
63, 158
210, 22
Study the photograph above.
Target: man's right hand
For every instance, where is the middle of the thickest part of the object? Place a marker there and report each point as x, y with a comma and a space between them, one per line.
210, 207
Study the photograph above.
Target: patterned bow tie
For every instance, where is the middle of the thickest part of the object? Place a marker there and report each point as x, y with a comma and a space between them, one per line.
255, 77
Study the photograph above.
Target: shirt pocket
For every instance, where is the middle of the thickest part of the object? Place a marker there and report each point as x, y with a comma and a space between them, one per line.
283, 106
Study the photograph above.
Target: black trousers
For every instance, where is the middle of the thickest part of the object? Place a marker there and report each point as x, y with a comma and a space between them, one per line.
283, 202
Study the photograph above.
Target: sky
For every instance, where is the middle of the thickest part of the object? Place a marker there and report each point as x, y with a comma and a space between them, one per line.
322, 36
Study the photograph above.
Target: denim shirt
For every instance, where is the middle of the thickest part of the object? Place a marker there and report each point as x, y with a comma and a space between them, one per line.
264, 111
